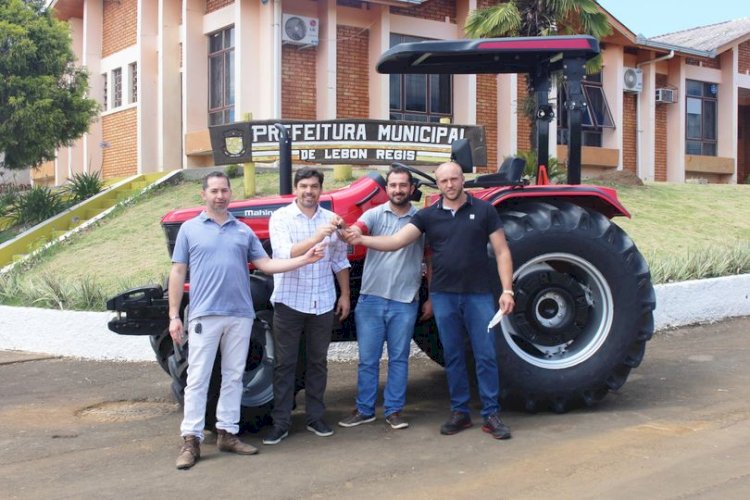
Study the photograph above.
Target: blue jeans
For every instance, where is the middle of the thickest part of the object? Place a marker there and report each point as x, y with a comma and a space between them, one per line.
459, 314
378, 321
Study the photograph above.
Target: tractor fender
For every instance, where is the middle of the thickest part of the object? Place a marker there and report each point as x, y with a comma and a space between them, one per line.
601, 199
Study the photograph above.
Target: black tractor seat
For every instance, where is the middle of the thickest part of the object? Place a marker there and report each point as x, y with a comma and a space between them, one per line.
510, 173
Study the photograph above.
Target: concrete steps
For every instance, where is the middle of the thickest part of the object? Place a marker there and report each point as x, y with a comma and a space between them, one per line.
20, 247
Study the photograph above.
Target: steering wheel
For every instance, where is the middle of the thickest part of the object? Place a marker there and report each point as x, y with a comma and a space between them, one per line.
431, 181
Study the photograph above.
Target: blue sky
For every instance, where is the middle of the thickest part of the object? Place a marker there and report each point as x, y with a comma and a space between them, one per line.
657, 17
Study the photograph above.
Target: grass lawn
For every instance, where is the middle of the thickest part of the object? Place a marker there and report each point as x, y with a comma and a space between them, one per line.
670, 223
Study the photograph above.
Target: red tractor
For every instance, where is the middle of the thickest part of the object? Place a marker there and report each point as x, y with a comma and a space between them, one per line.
584, 298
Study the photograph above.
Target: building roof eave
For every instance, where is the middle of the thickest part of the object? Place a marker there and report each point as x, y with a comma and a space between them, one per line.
647, 43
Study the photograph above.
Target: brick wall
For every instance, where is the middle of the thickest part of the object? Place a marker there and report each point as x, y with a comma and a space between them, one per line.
119, 130
523, 123
629, 132
487, 116
703, 62
435, 10
119, 26
298, 84
352, 72
660, 153
212, 5
743, 62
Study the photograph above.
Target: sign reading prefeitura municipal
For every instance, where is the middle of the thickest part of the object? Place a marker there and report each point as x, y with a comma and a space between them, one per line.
368, 142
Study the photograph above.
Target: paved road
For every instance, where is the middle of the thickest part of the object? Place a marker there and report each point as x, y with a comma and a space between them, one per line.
680, 428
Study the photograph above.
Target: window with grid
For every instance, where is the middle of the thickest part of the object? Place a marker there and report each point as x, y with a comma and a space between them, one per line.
116, 88
424, 98
700, 129
133, 72
105, 102
221, 77
596, 116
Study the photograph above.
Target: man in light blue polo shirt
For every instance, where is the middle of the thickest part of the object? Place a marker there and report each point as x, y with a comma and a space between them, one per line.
388, 302
217, 247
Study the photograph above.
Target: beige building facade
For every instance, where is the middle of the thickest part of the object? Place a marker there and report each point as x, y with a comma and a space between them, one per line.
666, 109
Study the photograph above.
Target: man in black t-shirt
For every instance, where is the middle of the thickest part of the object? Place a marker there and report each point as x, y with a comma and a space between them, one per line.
458, 228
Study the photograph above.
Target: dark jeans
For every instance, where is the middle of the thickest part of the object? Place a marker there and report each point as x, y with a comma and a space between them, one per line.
458, 315
288, 327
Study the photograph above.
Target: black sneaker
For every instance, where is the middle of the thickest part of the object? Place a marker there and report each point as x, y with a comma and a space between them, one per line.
458, 422
355, 419
495, 426
320, 428
396, 421
275, 435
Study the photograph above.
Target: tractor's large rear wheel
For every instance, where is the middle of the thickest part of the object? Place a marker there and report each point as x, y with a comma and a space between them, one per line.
584, 307
257, 395
163, 348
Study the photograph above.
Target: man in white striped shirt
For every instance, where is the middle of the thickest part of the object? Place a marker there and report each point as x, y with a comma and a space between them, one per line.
305, 301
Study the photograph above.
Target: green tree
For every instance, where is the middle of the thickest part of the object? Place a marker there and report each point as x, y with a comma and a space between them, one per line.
43, 104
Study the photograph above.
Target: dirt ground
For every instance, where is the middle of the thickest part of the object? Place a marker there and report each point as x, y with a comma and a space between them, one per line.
679, 428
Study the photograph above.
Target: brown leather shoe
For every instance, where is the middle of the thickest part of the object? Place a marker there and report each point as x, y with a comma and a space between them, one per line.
189, 453
231, 443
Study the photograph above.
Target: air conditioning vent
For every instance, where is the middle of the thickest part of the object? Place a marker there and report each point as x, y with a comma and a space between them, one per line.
299, 30
632, 79
665, 95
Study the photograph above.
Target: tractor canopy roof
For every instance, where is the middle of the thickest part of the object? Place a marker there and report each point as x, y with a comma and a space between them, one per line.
487, 55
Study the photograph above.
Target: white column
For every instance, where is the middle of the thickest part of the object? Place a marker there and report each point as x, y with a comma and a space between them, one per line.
507, 115
612, 84
148, 87
194, 71
254, 90
727, 119
646, 124
169, 90
326, 61
380, 32
676, 123
464, 86
92, 56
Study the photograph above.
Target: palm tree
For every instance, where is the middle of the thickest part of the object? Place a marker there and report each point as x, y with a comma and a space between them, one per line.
539, 18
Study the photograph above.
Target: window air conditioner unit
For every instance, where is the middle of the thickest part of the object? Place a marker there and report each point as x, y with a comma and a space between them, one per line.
299, 30
665, 95
632, 79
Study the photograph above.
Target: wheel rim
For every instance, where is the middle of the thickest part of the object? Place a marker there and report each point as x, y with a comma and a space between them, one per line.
552, 308
258, 378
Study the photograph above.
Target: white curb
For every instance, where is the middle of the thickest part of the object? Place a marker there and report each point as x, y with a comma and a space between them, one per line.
85, 334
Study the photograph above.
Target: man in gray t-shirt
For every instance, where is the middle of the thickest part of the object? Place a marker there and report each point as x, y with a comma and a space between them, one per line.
387, 308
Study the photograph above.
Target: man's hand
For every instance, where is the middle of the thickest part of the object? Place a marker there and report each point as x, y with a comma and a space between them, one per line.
352, 235
506, 303
176, 330
426, 310
314, 254
328, 229
343, 307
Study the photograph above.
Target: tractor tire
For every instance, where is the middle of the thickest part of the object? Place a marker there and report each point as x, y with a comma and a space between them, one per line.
584, 307
257, 396
163, 348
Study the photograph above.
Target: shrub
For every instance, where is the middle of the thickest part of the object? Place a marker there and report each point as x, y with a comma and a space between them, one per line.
36, 205
555, 170
9, 194
232, 171
83, 186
